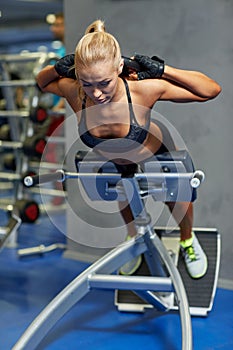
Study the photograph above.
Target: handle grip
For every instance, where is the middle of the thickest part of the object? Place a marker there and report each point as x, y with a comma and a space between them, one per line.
197, 179
129, 63
30, 181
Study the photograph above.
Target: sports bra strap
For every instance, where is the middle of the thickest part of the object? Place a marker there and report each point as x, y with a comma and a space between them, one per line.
132, 116
127, 90
84, 102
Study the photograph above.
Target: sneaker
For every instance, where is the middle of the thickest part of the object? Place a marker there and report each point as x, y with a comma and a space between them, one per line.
194, 257
131, 266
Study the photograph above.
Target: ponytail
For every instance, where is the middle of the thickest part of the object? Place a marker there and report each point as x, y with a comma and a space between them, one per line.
96, 26
95, 46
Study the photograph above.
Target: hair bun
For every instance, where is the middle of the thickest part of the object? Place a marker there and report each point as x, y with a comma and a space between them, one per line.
96, 26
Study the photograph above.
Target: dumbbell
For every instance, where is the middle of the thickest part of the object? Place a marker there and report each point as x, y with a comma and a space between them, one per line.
38, 115
16, 176
25, 174
26, 209
5, 133
9, 162
33, 146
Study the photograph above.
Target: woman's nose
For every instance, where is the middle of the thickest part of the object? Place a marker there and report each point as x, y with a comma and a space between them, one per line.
97, 93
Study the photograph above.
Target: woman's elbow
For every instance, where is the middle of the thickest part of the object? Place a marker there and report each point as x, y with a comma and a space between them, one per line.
211, 93
217, 90
40, 87
40, 84
45, 77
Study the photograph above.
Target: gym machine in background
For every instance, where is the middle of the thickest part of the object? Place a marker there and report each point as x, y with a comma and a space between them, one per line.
24, 116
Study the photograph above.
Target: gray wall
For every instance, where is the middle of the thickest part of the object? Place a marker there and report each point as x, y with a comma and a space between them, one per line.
190, 35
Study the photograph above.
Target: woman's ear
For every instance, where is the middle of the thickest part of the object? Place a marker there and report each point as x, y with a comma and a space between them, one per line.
121, 65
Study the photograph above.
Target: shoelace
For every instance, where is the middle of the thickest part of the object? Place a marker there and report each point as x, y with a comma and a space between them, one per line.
191, 253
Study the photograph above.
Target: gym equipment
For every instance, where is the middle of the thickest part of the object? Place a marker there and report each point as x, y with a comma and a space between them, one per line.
22, 138
162, 179
5, 232
41, 249
26, 209
22, 211
200, 292
32, 146
5, 132
38, 115
15, 177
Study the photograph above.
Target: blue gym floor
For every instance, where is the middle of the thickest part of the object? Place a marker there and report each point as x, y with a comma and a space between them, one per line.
27, 285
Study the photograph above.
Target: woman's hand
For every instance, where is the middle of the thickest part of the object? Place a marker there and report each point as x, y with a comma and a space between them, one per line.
151, 68
65, 66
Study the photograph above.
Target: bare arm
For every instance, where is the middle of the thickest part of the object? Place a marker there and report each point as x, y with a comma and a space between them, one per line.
178, 85
47, 79
188, 85
50, 81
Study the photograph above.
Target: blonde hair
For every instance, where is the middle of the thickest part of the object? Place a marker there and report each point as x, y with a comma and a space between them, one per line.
96, 26
97, 45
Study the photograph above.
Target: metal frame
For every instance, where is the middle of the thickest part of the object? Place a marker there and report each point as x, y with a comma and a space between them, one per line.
103, 273
98, 276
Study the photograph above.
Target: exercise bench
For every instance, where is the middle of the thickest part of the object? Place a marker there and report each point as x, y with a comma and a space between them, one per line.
168, 177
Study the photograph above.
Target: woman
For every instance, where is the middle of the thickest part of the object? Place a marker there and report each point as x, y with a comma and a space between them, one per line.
102, 98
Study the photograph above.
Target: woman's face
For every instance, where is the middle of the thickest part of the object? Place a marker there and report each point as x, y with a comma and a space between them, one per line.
99, 81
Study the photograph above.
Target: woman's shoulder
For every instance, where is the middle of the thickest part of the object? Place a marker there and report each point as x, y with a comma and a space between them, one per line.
71, 92
147, 90
143, 86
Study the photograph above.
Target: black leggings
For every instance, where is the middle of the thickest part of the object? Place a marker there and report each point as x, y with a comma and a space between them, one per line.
166, 146
167, 143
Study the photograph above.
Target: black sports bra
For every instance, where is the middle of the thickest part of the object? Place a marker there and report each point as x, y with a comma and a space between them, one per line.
136, 135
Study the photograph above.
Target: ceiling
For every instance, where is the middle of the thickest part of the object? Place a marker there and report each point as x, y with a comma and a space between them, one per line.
24, 21
27, 12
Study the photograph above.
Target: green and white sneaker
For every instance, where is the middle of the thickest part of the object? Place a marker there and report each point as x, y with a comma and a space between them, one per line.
194, 257
131, 266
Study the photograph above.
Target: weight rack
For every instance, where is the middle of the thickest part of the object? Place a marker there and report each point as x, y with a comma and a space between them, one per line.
22, 139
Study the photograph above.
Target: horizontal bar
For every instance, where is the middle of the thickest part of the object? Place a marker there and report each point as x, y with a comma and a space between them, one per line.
14, 113
43, 165
18, 83
27, 57
57, 113
18, 144
159, 177
154, 300
160, 284
47, 191
11, 144
10, 176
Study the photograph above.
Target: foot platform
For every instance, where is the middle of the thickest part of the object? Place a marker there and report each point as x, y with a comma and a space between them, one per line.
200, 292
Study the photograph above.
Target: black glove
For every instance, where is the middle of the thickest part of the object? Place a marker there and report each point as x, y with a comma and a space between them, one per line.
150, 67
65, 66
130, 66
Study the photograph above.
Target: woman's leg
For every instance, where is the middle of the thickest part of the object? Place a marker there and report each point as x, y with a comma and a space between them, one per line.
131, 266
127, 216
181, 211
194, 256
183, 215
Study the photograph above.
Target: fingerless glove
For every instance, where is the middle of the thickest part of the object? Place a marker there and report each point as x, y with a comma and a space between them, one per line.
150, 67
65, 66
